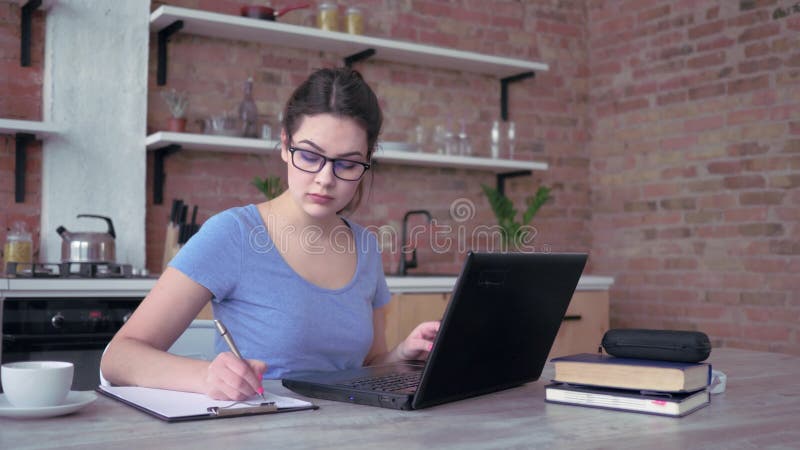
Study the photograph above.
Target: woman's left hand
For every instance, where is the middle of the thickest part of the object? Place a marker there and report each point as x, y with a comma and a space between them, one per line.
419, 342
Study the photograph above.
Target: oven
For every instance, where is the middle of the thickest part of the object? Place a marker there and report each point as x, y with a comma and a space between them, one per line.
63, 329
66, 318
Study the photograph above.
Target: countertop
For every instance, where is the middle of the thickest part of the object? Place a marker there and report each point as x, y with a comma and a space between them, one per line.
139, 287
758, 410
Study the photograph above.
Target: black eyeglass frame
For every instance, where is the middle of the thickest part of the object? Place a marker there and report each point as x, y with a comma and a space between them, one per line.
325, 159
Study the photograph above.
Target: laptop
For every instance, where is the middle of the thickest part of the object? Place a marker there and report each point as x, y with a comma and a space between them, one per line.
496, 333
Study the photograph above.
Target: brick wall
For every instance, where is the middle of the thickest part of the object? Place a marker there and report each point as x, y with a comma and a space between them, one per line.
549, 110
695, 152
21, 99
687, 111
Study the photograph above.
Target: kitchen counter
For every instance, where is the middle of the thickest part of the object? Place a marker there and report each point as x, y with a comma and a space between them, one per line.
758, 410
139, 287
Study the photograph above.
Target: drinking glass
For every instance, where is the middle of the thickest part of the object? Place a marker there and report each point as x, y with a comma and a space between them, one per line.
495, 139
511, 138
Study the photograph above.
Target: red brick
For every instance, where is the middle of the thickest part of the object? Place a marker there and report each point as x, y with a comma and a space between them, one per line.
710, 90
761, 198
759, 32
785, 181
744, 182
654, 13
746, 149
784, 247
751, 18
783, 113
750, 115
766, 64
748, 84
686, 203
758, 214
707, 60
768, 333
679, 143
704, 124
706, 29
715, 44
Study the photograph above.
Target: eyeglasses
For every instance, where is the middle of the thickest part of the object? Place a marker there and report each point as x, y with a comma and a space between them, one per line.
313, 162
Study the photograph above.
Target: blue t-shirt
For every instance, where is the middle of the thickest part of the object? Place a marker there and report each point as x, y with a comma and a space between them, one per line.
275, 315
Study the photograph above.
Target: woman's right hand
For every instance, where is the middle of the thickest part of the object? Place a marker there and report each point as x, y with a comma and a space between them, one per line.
231, 378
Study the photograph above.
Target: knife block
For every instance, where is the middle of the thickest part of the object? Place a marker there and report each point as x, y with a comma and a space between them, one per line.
171, 245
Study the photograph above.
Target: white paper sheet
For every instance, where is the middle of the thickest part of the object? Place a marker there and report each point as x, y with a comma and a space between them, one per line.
174, 404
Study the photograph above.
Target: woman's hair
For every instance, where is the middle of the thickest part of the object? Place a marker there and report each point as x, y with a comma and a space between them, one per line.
341, 92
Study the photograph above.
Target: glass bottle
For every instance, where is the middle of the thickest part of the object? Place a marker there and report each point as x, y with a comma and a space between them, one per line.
511, 138
355, 20
464, 145
248, 111
328, 17
18, 248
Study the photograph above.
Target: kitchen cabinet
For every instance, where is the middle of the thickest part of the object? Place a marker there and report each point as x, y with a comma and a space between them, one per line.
167, 20
405, 311
585, 322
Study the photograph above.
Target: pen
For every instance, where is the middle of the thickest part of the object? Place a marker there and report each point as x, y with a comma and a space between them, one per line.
229, 340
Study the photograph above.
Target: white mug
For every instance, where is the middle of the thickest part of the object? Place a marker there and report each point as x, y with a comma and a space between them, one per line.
33, 384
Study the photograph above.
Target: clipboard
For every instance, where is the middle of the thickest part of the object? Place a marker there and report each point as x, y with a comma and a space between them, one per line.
176, 406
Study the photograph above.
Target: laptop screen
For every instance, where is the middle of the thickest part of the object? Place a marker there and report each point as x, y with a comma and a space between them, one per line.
501, 321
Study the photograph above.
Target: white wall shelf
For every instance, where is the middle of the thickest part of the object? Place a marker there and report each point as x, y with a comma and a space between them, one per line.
168, 20
227, 26
38, 129
204, 142
24, 131
164, 143
209, 142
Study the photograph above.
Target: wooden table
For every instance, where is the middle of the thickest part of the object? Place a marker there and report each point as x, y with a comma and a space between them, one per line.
761, 409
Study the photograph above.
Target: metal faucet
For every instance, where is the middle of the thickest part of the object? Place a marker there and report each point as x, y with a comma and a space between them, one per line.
412, 263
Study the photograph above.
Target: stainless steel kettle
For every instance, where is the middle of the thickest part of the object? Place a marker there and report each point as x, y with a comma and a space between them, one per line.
88, 246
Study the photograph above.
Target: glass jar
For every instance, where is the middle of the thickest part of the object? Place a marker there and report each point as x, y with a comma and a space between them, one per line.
355, 20
18, 248
328, 17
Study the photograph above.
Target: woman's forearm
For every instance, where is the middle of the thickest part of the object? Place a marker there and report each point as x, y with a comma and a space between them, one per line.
129, 362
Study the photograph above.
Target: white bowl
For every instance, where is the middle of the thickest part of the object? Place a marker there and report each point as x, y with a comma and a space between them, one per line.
36, 383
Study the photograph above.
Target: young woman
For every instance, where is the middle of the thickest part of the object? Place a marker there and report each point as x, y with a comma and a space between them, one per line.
298, 285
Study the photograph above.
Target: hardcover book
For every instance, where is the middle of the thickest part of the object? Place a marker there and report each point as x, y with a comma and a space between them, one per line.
628, 373
660, 403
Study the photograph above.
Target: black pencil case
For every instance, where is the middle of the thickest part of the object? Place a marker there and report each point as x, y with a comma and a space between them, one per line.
664, 345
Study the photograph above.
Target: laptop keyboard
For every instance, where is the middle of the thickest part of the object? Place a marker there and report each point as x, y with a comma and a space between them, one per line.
405, 382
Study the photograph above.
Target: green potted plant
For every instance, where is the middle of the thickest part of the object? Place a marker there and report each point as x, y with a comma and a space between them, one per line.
271, 187
514, 234
177, 103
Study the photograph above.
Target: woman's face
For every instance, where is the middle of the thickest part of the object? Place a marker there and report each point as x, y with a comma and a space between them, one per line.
322, 194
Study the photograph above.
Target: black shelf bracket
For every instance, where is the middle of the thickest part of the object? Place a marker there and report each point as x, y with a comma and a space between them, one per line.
22, 140
504, 82
501, 179
25, 31
360, 56
163, 38
158, 171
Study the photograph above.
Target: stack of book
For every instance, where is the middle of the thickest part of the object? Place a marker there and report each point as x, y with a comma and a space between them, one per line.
639, 385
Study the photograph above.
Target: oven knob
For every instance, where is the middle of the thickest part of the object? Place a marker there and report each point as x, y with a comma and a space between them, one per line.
57, 321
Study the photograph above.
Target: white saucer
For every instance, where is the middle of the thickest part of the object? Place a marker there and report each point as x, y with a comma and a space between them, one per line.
75, 400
